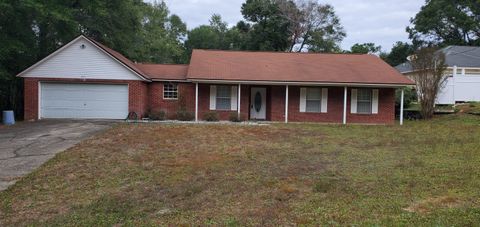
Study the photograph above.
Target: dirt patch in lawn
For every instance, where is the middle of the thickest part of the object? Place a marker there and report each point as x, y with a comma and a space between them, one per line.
428, 205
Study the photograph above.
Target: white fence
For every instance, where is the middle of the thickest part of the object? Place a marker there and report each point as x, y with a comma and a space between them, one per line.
460, 88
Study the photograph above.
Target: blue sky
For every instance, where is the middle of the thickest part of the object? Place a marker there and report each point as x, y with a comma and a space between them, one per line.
380, 21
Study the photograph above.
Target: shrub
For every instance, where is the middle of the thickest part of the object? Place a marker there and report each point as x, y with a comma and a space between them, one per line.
210, 116
235, 118
410, 96
184, 115
157, 115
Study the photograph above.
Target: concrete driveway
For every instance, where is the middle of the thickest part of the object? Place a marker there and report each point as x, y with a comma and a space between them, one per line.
27, 145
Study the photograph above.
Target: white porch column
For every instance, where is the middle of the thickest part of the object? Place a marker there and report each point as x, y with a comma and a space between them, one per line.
196, 101
401, 108
238, 99
345, 105
286, 104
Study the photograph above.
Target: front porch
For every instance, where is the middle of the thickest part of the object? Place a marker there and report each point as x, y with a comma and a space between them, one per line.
297, 103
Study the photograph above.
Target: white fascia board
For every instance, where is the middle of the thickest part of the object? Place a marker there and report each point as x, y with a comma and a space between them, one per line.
299, 83
167, 80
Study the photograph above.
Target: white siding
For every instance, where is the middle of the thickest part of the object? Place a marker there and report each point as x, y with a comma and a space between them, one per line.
75, 62
446, 96
460, 89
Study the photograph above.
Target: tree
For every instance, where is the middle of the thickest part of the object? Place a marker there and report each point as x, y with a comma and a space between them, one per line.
203, 37
32, 29
160, 37
315, 27
115, 23
446, 22
365, 48
399, 53
410, 96
216, 35
429, 66
18, 51
269, 29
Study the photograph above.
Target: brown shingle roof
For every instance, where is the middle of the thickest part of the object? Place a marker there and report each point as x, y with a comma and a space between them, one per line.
292, 67
164, 71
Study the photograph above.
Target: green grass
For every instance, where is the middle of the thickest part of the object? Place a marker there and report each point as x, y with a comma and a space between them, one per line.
425, 173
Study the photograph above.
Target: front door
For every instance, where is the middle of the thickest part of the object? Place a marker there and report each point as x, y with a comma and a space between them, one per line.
258, 103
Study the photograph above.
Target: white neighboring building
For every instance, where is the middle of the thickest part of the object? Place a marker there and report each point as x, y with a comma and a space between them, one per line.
463, 82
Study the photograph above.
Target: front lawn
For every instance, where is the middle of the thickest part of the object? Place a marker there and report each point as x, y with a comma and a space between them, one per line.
425, 173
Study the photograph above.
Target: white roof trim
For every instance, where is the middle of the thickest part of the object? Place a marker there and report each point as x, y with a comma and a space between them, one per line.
170, 80
69, 44
299, 83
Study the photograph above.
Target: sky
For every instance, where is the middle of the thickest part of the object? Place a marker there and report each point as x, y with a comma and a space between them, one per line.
382, 22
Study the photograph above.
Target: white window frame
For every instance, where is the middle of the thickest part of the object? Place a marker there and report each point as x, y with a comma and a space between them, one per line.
229, 97
370, 101
323, 100
319, 100
173, 91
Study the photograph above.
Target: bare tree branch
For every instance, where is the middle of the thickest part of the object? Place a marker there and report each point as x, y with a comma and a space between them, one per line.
429, 65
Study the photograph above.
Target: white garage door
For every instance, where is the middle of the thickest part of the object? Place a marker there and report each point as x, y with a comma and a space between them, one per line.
90, 101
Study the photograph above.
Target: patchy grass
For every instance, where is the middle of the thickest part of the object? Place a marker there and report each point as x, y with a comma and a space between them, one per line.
439, 109
469, 108
425, 173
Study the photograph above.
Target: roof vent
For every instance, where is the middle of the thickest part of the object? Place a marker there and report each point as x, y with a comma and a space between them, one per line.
82, 46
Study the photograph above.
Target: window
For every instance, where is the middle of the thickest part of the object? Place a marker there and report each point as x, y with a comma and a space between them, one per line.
313, 100
223, 97
364, 101
170, 91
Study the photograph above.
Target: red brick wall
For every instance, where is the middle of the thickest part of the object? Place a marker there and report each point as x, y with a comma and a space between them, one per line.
334, 107
156, 102
386, 108
204, 103
30, 96
143, 96
276, 106
137, 100
276, 103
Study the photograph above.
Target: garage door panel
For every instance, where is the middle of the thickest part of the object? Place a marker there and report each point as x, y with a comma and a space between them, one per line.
60, 94
102, 105
63, 113
111, 97
61, 104
101, 101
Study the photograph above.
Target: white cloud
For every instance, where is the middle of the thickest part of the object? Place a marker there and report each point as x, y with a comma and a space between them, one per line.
382, 22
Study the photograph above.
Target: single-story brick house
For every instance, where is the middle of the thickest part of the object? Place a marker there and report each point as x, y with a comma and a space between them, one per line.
85, 79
